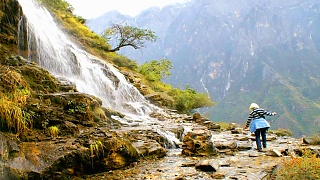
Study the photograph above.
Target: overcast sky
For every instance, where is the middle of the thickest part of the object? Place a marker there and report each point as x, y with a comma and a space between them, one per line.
94, 8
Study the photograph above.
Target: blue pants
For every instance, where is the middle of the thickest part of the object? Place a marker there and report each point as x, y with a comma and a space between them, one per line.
261, 132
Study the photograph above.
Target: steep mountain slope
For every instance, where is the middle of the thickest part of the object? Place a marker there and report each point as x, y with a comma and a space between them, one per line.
239, 52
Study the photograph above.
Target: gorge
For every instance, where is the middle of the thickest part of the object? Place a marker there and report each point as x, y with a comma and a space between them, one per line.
107, 129
238, 52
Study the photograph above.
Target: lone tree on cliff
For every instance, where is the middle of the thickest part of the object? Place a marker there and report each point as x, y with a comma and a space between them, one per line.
125, 35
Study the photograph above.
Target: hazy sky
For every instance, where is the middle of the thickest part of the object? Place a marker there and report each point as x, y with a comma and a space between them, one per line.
94, 8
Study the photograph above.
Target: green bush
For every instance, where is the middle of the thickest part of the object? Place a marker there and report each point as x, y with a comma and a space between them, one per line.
156, 70
187, 100
123, 61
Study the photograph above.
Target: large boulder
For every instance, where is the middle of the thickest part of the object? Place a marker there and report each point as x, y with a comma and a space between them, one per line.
198, 143
64, 157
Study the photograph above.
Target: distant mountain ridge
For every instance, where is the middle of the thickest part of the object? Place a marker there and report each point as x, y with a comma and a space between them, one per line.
239, 51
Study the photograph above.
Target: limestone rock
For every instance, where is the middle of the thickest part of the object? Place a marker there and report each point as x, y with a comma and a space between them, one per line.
198, 143
150, 148
310, 141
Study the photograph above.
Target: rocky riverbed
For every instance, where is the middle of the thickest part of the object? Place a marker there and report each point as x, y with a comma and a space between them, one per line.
206, 153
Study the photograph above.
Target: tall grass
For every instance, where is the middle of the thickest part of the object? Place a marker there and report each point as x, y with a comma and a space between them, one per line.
12, 100
13, 116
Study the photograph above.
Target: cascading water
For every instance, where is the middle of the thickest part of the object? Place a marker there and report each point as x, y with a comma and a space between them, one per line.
49, 47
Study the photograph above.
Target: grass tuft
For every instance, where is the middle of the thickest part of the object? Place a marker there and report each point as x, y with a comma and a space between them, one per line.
13, 116
54, 131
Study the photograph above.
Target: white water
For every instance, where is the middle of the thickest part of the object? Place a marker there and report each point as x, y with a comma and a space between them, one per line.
52, 49
56, 53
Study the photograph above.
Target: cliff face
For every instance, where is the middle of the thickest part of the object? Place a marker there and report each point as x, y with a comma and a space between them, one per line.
240, 52
9, 18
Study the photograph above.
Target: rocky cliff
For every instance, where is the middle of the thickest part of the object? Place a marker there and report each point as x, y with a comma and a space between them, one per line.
239, 52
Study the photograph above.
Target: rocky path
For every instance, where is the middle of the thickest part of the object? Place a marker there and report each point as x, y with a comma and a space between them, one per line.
236, 158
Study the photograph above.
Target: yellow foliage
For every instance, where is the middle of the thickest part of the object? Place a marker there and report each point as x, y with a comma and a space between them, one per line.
306, 167
13, 116
95, 148
54, 131
12, 80
19, 96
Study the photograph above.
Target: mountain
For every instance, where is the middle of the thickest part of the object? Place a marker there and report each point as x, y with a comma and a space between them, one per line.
239, 51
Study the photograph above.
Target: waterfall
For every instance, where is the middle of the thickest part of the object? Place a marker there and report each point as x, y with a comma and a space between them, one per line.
43, 42
49, 47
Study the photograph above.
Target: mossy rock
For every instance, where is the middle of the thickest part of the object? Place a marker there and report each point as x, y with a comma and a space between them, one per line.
110, 112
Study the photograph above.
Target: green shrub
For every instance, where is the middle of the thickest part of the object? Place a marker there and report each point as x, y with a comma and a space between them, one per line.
187, 100
123, 61
156, 70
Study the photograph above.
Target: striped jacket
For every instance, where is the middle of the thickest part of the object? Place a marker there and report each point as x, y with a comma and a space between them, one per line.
257, 113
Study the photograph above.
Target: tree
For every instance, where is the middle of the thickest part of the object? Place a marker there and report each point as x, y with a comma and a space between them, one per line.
128, 36
187, 100
156, 70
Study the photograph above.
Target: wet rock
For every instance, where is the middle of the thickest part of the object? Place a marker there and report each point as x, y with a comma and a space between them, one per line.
208, 165
205, 122
69, 128
64, 157
226, 145
244, 146
110, 112
198, 143
211, 126
150, 148
65, 85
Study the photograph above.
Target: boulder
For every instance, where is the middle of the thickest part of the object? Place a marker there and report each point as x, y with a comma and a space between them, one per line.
150, 148
198, 143
63, 157
310, 141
